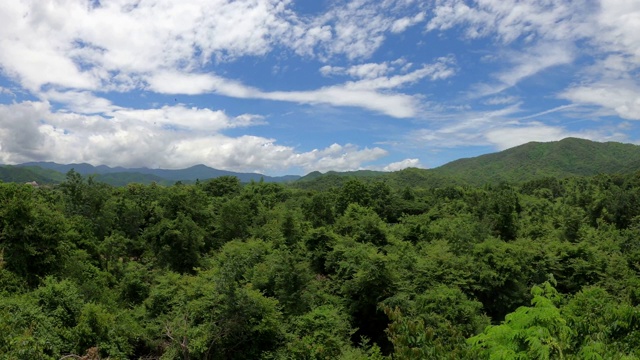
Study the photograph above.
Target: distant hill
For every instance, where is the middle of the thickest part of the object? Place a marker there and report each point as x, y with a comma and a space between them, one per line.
17, 174
561, 159
564, 158
411, 177
119, 175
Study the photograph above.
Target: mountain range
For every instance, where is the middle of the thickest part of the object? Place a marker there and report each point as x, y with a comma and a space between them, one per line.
121, 176
564, 158
534, 160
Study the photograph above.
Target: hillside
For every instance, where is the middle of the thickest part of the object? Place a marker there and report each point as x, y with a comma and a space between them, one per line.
17, 174
120, 176
534, 160
560, 159
564, 158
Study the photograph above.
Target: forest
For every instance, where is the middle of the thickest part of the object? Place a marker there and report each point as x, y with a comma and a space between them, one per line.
359, 269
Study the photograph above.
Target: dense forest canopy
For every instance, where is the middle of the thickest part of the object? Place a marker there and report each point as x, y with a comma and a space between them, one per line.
359, 269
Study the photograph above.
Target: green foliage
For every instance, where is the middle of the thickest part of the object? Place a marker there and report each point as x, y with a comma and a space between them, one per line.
28, 332
435, 325
33, 236
353, 191
363, 225
222, 186
19, 174
177, 243
234, 218
320, 209
322, 333
370, 268
537, 332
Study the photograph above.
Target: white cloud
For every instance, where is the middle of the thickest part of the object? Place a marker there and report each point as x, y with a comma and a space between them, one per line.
621, 97
168, 137
541, 34
441, 69
534, 60
368, 70
6, 91
524, 64
503, 129
617, 28
329, 70
180, 118
354, 29
69, 48
502, 100
80, 101
341, 158
377, 70
167, 82
395, 105
402, 24
350, 94
367, 92
400, 165
510, 20
508, 137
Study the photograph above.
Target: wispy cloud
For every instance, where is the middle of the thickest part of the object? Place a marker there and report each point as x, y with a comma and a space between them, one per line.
366, 92
503, 128
621, 97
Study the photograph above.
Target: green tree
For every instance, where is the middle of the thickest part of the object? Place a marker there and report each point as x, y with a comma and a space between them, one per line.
363, 225
435, 325
353, 191
536, 332
34, 238
319, 210
321, 334
177, 243
222, 186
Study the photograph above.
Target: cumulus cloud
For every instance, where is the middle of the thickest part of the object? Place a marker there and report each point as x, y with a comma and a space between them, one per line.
400, 165
72, 55
75, 46
79, 101
167, 137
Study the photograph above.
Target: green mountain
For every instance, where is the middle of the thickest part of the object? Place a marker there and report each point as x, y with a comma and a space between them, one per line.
119, 175
560, 159
9, 173
564, 158
534, 160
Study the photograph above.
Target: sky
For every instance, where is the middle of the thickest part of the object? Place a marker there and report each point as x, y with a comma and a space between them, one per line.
294, 86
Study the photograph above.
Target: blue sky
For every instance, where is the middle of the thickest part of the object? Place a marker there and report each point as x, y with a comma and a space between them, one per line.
289, 87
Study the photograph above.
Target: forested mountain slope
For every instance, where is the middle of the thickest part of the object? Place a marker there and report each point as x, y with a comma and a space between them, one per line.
567, 157
534, 160
25, 174
119, 175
